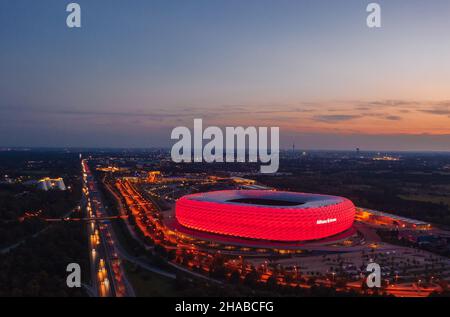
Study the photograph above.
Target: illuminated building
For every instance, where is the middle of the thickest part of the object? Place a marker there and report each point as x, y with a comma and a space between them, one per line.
154, 176
48, 184
266, 215
387, 219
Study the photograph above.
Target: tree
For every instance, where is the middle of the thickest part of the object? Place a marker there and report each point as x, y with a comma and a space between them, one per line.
235, 277
251, 279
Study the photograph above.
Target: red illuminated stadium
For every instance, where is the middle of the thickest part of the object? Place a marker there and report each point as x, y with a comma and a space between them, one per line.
266, 215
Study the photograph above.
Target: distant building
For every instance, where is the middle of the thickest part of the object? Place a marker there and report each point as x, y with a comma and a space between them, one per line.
245, 181
387, 219
111, 169
154, 176
47, 183
385, 158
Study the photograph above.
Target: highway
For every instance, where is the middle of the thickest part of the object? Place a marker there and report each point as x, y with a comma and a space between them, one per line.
82, 219
123, 214
107, 273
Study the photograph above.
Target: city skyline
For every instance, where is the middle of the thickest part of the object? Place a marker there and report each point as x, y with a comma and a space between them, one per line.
132, 73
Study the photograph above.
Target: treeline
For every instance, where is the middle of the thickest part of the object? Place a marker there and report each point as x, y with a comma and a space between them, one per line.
15, 201
38, 267
374, 186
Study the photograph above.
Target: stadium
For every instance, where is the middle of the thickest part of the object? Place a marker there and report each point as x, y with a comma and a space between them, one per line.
262, 215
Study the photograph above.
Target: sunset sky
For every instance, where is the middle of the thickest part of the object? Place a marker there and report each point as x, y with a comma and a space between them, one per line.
137, 69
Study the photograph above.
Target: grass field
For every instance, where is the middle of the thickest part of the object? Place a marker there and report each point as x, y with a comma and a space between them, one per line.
148, 284
428, 198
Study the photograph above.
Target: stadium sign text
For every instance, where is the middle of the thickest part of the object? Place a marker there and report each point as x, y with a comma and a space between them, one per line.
329, 220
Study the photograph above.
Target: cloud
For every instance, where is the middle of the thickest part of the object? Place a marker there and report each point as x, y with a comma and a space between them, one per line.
373, 114
437, 111
363, 108
335, 118
393, 103
441, 108
219, 114
393, 118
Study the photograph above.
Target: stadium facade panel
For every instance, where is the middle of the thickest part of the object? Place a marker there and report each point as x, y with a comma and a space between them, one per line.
266, 215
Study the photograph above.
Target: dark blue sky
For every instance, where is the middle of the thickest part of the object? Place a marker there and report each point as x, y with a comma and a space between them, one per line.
137, 69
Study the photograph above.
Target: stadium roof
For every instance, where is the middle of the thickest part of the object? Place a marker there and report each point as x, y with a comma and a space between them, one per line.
264, 198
